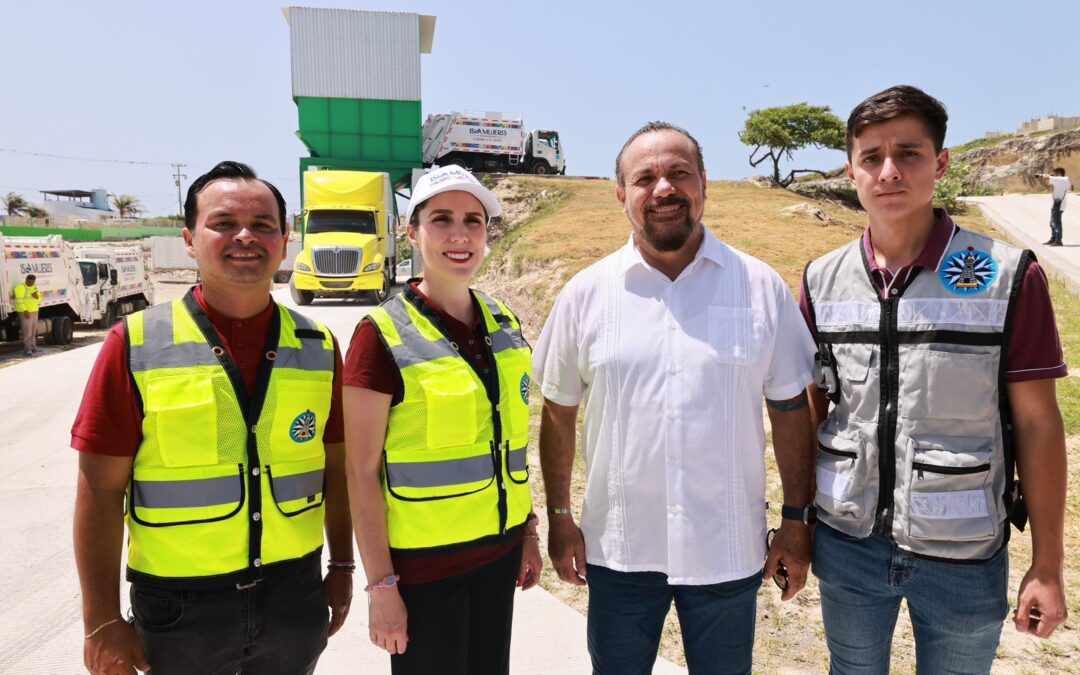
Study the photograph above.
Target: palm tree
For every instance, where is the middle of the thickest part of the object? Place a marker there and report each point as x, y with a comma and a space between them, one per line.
127, 205
15, 204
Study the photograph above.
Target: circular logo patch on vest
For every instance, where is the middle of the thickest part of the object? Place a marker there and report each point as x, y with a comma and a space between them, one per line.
525, 382
968, 272
302, 428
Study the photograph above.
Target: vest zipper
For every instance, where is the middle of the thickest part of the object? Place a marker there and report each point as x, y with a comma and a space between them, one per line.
920, 467
847, 454
500, 482
887, 418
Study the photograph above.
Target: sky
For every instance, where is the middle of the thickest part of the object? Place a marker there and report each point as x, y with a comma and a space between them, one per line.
144, 84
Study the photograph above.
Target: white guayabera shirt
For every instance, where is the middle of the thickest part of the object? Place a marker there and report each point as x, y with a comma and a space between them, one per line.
672, 375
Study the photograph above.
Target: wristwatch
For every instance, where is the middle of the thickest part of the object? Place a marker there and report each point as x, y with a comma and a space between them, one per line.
807, 515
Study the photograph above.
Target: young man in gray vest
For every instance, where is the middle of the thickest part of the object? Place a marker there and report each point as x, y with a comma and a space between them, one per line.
938, 352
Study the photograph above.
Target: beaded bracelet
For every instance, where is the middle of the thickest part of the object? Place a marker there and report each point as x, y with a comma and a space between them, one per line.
387, 582
101, 628
348, 566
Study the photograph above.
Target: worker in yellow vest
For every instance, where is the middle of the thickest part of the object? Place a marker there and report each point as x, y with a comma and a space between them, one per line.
216, 420
436, 426
27, 297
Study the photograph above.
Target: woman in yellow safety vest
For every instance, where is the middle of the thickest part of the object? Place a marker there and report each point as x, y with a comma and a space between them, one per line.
437, 423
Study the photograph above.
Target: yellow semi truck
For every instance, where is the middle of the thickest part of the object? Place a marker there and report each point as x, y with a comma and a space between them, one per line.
349, 227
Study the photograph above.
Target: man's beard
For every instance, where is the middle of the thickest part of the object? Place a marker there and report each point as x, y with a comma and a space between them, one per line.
671, 236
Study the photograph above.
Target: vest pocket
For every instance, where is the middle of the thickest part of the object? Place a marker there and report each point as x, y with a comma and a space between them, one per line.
735, 334
182, 413
949, 498
301, 410
840, 462
451, 395
858, 392
947, 385
163, 497
516, 462
297, 486
437, 477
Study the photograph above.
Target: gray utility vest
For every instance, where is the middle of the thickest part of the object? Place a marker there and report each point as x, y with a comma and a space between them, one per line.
917, 442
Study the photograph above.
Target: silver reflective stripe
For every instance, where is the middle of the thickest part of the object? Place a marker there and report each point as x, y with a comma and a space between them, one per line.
158, 349
309, 358
440, 474
301, 321
180, 494
507, 337
414, 348
297, 486
517, 460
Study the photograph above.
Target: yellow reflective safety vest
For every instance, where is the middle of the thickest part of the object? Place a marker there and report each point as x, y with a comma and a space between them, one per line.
24, 298
225, 484
455, 469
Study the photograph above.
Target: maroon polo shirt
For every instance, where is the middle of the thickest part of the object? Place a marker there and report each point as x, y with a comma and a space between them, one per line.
1034, 349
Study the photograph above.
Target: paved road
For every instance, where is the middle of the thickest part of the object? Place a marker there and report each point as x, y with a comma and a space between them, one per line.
1026, 218
40, 621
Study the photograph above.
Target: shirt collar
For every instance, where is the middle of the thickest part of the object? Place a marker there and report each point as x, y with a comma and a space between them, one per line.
932, 253
711, 249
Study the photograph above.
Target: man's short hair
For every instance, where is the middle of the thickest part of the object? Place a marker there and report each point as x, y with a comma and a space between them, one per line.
899, 101
1059, 171
227, 171
31, 277
657, 126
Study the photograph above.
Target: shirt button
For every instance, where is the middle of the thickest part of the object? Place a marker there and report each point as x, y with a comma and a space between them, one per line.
256, 517
255, 471
472, 342
477, 357
673, 369
257, 562
671, 413
673, 509
239, 324
670, 326
894, 291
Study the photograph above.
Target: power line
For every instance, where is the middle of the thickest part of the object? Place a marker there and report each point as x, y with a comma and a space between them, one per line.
179, 177
84, 159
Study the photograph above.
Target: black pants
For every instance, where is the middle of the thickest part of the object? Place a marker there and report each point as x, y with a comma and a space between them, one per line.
461, 625
277, 627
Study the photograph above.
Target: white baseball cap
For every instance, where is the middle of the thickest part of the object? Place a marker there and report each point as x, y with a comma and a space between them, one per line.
446, 179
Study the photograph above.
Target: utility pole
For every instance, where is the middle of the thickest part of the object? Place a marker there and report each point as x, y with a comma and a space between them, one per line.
179, 176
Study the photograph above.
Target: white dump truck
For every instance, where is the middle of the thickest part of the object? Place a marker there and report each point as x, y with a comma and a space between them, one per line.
117, 280
491, 141
64, 298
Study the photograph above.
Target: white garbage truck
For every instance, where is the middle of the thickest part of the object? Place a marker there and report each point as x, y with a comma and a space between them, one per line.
64, 298
117, 280
491, 142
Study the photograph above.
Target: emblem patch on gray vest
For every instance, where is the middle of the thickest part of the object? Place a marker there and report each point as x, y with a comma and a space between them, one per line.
968, 272
302, 428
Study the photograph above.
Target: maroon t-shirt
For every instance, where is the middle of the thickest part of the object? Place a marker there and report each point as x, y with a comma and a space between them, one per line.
109, 421
368, 365
1034, 348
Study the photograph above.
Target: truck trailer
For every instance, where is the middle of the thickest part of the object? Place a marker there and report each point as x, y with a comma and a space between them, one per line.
491, 142
349, 228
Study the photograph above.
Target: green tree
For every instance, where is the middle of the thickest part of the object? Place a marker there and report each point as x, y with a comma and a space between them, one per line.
15, 204
127, 205
782, 130
36, 212
960, 180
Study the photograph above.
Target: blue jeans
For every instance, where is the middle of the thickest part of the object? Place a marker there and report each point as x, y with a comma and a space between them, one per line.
626, 617
277, 627
1055, 221
957, 609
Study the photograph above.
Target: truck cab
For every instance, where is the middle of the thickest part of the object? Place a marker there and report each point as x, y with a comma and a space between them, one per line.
117, 281
546, 153
349, 226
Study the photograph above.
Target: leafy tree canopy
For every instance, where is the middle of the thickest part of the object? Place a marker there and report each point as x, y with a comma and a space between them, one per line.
776, 133
15, 204
127, 205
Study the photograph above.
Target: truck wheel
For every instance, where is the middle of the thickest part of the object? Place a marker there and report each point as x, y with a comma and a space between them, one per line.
458, 161
300, 296
62, 330
383, 293
109, 318
282, 277
541, 168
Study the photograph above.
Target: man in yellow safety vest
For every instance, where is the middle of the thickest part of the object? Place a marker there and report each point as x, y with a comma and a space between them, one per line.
27, 297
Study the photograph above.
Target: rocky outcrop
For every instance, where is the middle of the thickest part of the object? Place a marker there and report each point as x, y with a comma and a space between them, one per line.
1010, 166
837, 190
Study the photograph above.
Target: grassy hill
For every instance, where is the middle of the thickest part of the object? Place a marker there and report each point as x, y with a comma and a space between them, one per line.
556, 227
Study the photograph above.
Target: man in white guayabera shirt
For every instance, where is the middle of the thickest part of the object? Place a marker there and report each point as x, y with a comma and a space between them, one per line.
671, 343
1060, 184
